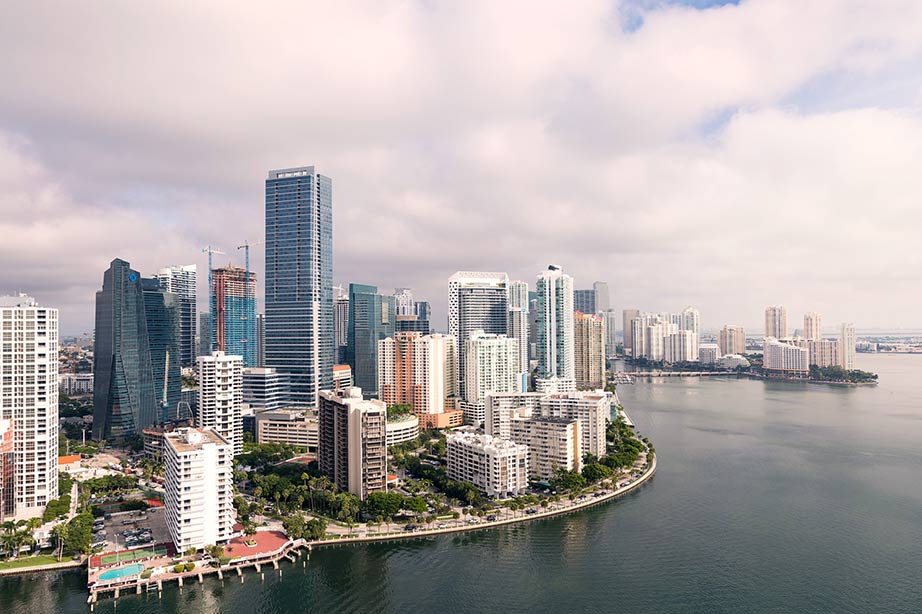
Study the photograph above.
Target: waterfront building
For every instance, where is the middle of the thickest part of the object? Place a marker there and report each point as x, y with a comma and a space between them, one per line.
497, 467
295, 426
590, 409
708, 353
476, 301
198, 471
420, 370
503, 408
492, 366
553, 443
180, 280
220, 398
813, 326
589, 350
784, 357
628, 316
264, 388
776, 321
340, 325
680, 346
75, 384
824, 352
847, 344
371, 319
260, 340
401, 428
299, 280
733, 361
732, 339
584, 301
233, 303
7, 471
136, 370
556, 345
602, 297
353, 441
611, 333
403, 302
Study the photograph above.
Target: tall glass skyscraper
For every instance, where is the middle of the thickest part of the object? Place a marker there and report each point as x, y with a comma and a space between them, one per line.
299, 280
234, 306
555, 324
371, 319
136, 367
476, 301
180, 280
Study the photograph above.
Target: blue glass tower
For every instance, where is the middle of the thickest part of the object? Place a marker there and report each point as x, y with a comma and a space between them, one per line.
371, 318
299, 280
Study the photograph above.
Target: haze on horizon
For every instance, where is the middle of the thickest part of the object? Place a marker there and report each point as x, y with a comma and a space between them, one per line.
723, 156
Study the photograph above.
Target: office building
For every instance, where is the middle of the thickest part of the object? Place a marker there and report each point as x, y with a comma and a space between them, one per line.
589, 350
497, 467
220, 398
584, 301
553, 443
492, 367
411, 324
136, 370
611, 333
555, 324
590, 409
423, 310
180, 280
403, 302
198, 471
353, 441
847, 342
264, 388
732, 339
233, 303
7, 471
476, 301
628, 317
260, 340
708, 353
602, 297
29, 400
204, 334
420, 371
293, 426
299, 280
340, 325
776, 322
371, 319
813, 326
784, 357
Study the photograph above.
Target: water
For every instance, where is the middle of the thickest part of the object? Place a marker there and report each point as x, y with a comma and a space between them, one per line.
769, 497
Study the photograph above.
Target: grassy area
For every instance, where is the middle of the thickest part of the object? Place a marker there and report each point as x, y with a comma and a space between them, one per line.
141, 553
31, 561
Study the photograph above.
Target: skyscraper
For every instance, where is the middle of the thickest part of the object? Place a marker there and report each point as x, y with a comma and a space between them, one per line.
299, 280
555, 324
691, 322
352, 446
627, 317
28, 406
403, 301
732, 339
233, 301
371, 319
813, 326
180, 280
260, 340
847, 346
518, 294
589, 352
776, 321
340, 325
476, 301
136, 371
204, 334
602, 298
584, 301
220, 397
422, 310
492, 367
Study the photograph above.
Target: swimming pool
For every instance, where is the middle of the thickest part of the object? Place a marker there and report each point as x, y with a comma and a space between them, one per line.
122, 572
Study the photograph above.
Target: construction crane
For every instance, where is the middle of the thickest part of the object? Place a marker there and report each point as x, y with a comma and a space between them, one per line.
211, 308
246, 290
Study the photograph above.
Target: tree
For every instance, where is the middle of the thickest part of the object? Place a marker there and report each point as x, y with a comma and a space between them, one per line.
417, 505
385, 504
59, 534
595, 472
564, 480
215, 551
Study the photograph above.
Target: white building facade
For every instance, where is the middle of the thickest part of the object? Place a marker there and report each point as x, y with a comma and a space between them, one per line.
492, 367
220, 397
556, 342
497, 467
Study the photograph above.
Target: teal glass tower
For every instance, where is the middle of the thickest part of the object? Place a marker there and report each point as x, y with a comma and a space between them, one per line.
371, 319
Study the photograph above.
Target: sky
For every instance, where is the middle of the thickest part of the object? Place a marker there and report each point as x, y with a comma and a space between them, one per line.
723, 155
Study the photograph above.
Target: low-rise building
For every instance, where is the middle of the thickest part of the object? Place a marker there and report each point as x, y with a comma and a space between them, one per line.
293, 426
497, 467
733, 361
73, 384
198, 470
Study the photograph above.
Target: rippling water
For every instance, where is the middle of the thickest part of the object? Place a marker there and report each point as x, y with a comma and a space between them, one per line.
769, 497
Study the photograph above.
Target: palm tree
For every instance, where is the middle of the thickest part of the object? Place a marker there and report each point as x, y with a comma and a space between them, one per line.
59, 532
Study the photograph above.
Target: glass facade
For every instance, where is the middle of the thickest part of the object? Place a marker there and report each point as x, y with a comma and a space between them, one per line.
371, 318
299, 280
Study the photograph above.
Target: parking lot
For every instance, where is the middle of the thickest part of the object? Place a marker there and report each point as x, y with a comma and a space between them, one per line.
133, 523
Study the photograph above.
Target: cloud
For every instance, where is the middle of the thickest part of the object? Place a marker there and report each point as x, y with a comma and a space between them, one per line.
711, 156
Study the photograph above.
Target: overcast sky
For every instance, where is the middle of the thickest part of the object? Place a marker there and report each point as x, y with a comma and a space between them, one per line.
727, 157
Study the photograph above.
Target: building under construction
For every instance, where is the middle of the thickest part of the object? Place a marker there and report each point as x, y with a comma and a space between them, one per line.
233, 303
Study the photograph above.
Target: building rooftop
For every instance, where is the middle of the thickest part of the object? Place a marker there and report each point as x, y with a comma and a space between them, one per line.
190, 439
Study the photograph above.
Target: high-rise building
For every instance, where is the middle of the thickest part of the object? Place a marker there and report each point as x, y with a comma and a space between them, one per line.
691, 321
584, 301
785, 357
517, 328
847, 343
7, 471
292, 426
589, 352
708, 353
422, 310
497, 467
518, 294
680, 346
180, 280
776, 321
198, 467
403, 302
261, 340
136, 370
353, 441
732, 339
813, 326
299, 280
371, 319
591, 409
220, 397
824, 352
264, 388
602, 297
411, 324
628, 317
29, 401
476, 301
555, 324
419, 370
492, 367
233, 301
503, 408
553, 443
340, 326
204, 334
611, 333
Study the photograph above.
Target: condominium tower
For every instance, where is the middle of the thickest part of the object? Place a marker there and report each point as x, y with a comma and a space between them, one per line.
776, 321
220, 397
352, 448
555, 324
476, 301
847, 343
813, 326
589, 352
492, 366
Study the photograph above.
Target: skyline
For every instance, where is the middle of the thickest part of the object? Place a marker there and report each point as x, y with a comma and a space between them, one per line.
743, 167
